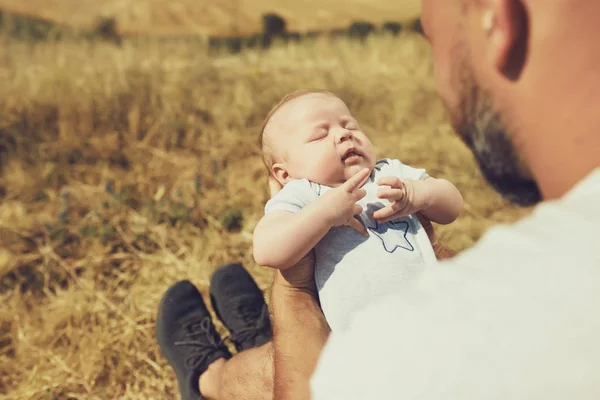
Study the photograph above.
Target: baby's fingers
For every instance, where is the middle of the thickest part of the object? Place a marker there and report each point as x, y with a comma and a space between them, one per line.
390, 194
395, 214
391, 218
359, 194
355, 224
392, 181
383, 213
356, 180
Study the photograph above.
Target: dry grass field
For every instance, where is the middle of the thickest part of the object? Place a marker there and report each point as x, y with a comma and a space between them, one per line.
225, 17
126, 169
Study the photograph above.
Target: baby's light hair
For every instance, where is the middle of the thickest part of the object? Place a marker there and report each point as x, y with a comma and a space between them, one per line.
265, 148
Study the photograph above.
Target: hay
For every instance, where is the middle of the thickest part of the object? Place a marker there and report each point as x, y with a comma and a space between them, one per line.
120, 166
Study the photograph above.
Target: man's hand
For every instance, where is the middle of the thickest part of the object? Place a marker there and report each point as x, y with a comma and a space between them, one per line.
441, 252
299, 327
300, 277
274, 186
406, 197
340, 202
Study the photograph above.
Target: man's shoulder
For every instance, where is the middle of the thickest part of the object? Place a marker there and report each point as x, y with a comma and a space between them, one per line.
554, 226
553, 232
516, 313
520, 305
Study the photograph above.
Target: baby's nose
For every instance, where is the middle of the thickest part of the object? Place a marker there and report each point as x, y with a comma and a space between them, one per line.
343, 135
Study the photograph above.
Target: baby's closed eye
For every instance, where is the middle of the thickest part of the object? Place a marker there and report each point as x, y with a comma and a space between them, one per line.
321, 133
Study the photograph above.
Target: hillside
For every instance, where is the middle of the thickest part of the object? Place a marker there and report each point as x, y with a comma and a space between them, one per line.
225, 17
126, 168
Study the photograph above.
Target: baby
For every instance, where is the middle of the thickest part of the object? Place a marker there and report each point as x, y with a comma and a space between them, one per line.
357, 212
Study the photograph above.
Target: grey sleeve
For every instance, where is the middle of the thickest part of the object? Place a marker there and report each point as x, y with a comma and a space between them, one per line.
294, 196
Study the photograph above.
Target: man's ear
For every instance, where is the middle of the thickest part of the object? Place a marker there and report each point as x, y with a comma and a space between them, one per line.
280, 173
506, 26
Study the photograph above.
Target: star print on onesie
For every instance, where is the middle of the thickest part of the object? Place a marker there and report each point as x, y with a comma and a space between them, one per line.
392, 234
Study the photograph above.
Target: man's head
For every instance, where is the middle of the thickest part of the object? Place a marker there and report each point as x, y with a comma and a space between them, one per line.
479, 48
311, 134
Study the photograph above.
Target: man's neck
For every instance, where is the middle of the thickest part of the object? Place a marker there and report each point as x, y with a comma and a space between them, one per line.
557, 176
562, 147
560, 138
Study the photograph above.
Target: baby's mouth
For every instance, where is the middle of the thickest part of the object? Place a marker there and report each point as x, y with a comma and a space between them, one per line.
351, 153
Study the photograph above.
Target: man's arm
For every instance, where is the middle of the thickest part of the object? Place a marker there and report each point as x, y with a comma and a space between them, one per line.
299, 329
299, 326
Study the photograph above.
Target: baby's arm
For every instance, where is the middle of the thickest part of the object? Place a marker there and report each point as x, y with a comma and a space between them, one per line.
437, 199
412, 190
443, 202
282, 238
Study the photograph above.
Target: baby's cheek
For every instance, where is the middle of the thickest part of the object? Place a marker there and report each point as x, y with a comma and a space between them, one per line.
323, 170
326, 169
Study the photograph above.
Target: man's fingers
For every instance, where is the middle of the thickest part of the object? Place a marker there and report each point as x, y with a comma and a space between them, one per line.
356, 209
442, 252
358, 226
300, 276
426, 223
274, 186
356, 180
392, 181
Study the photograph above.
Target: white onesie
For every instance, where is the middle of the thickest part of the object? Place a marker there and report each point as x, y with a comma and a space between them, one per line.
351, 270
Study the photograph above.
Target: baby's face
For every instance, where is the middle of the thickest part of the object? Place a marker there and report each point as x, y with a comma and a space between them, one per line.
315, 137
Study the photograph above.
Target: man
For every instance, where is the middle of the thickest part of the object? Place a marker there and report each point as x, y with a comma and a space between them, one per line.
516, 316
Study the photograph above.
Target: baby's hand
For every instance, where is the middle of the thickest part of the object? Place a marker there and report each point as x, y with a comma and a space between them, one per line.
340, 203
406, 197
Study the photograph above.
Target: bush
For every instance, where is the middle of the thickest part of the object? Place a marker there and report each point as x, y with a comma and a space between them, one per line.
232, 220
360, 29
393, 27
416, 26
273, 25
29, 28
106, 29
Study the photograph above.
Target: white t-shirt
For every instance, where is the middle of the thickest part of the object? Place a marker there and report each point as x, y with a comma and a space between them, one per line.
515, 317
352, 270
